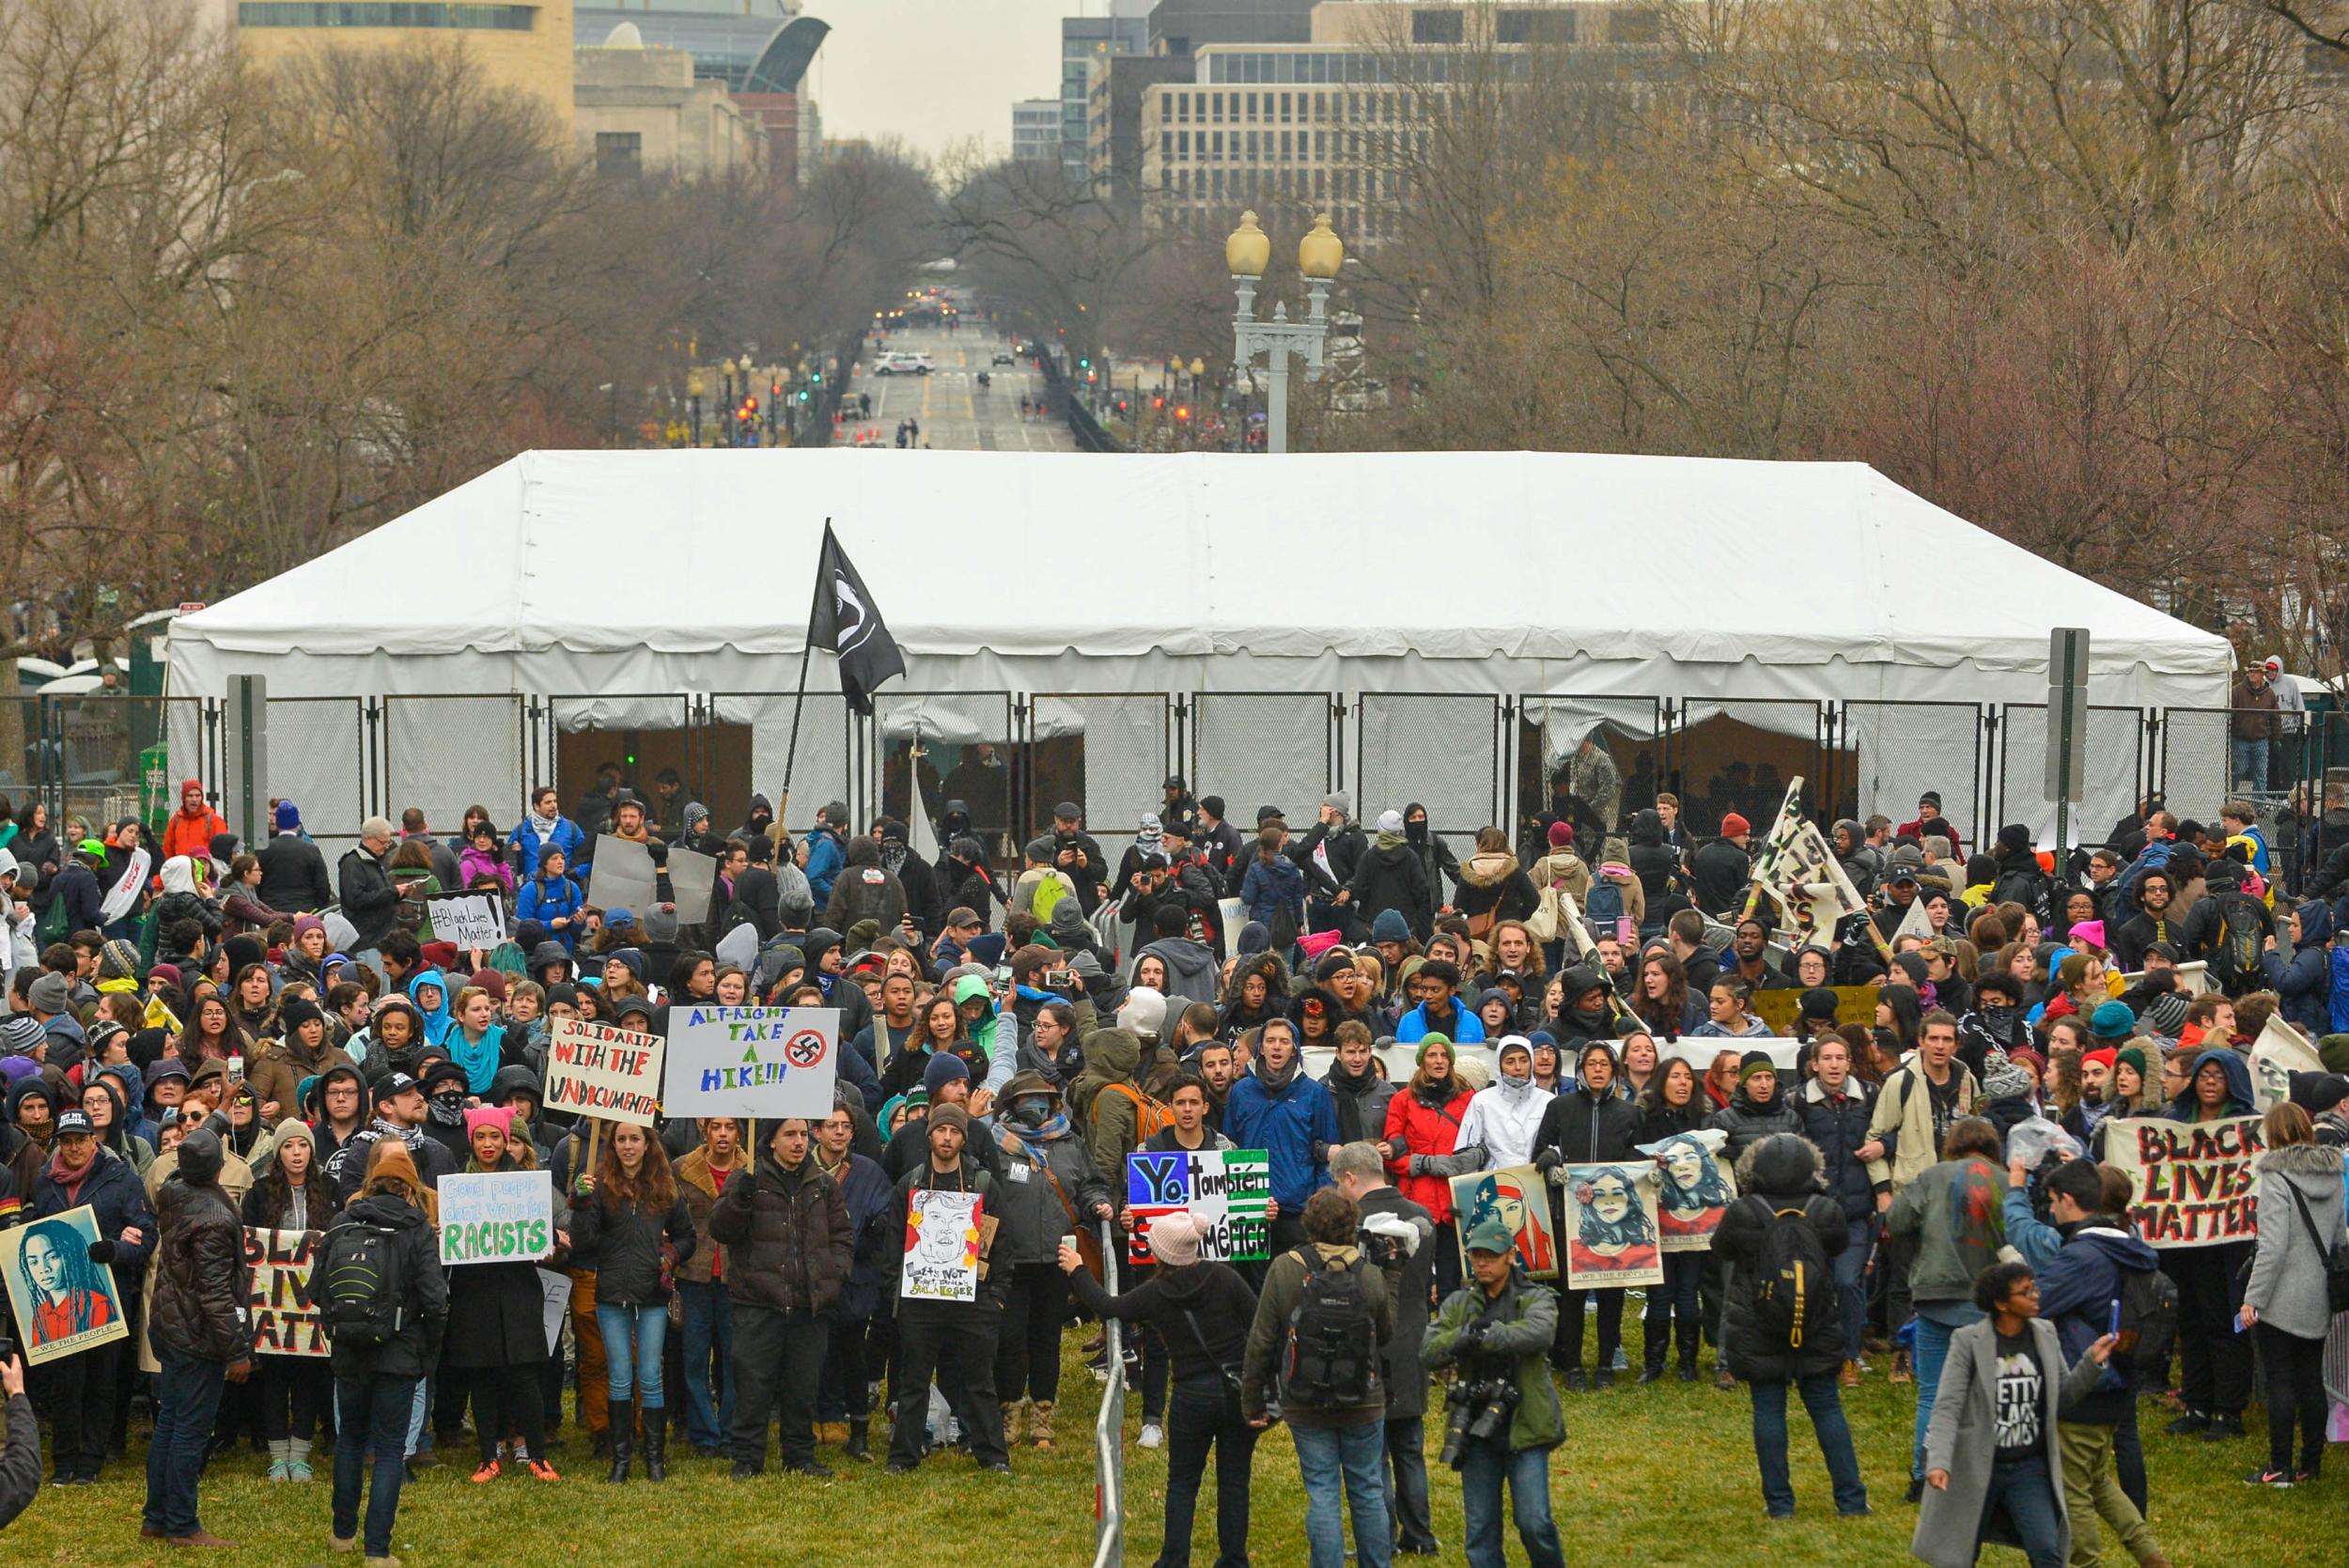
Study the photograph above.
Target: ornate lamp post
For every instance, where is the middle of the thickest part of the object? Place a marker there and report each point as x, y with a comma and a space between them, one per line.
1320, 254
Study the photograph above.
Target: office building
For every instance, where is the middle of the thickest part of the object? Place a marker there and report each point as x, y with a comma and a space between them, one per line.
645, 111
1036, 131
525, 44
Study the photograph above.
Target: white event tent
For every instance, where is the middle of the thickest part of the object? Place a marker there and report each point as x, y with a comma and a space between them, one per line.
1583, 585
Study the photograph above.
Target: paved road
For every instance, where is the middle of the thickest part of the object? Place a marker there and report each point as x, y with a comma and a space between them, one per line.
955, 413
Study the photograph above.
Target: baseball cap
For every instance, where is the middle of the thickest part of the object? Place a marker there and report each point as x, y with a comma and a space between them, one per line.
72, 1121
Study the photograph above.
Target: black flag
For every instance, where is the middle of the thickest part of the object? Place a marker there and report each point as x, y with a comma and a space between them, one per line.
846, 620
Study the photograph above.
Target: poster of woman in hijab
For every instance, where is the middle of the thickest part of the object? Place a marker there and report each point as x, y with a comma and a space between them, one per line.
63, 1302
1610, 1227
1515, 1193
1694, 1188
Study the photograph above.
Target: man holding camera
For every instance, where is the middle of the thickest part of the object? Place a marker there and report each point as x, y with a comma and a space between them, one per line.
1502, 1411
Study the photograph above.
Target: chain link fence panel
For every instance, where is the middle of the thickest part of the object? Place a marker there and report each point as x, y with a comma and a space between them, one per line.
1437, 748
444, 753
1262, 749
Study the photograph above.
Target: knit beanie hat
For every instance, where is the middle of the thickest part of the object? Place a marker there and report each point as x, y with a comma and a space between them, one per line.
2166, 1018
1561, 835
951, 1116
498, 1116
944, 1067
293, 1129
2133, 1056
2113, 1021
1755, 1062
21, 1035
2333, 1050
51, 993
119, 960
1390, 927
200, 1157
1175, 1240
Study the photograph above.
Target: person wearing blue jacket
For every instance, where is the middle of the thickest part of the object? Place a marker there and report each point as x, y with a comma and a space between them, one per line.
436, 1014
1272, 881
2215, 1380
80, 1389
826, 851
546, 827
2081, 1260
1291, 1117
2302, 976
1440, 1011
551, 897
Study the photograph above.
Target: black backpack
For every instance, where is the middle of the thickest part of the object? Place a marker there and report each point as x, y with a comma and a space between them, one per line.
2235, 949
1793, 1289
1331, 1361
360, 1285
2149, 1320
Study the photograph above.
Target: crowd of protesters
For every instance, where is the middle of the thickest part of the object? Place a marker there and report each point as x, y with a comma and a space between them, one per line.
204, 1034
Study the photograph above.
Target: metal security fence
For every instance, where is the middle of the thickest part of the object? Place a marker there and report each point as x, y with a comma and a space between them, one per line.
1444, 750
442, 754
1891, 753
1265, 749
321, 752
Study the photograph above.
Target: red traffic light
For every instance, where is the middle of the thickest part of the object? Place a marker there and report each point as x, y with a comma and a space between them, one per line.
1182, 411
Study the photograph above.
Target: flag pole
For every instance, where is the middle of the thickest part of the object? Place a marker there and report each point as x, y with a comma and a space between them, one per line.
799, 704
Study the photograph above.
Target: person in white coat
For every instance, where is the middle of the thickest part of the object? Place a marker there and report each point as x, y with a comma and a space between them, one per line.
1502, 1117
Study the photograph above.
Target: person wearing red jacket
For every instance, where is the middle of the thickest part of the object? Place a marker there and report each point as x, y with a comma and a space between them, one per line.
1421, 1134
194, 826
1930, 820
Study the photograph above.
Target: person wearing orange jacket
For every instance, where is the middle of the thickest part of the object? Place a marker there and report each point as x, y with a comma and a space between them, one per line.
194, 826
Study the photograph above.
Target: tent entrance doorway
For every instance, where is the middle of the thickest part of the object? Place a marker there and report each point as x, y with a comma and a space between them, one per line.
645, 738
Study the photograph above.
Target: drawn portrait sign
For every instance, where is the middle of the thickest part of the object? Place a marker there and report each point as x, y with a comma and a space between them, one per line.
1693, 1188
63, 1303
1515, 1193
1610, 1226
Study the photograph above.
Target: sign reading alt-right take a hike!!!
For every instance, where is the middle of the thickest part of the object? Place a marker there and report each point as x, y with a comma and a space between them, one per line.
752, 1062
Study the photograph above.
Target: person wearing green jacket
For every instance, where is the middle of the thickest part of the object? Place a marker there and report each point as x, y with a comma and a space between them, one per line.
1496, 1329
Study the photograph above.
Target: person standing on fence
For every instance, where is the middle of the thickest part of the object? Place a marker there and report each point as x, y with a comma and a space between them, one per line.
2251, 727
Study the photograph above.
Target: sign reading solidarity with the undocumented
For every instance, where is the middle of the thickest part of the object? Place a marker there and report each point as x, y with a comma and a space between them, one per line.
941, 1246
497, 1216
2195, 1186
1226, 1190
285, 1322
595, 1069
752, 1062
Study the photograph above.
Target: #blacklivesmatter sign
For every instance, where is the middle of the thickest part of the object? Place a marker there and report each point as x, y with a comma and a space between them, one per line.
1227, 1191
594, 1069
2195, 1186
497, 1216
750, 1062
285, 1322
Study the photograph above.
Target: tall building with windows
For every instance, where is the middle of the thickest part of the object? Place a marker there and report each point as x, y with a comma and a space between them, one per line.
757, 49
1087, 43
1036, 131
642, 109
521, 45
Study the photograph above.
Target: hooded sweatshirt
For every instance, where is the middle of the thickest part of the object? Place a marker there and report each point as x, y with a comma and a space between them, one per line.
1503, 1118
1192, 971
437, 1019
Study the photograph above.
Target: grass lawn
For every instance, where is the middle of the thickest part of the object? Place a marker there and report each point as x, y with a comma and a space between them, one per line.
1661, 1476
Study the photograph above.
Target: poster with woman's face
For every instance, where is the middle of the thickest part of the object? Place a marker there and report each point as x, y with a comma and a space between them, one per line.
64, 1303
1515, 1193
1693, 1188
1610, 1228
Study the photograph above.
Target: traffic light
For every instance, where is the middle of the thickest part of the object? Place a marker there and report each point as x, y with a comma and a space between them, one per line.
815, 377
802, 395
1083, 364
1182, 411
1158, 404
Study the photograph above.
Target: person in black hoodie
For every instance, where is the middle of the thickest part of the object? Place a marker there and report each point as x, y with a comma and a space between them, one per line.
1584, 1013
1221, 842
1589, 1124
1391, 876
1201, 1311
924, 907
1836, 1107
1435, 859
2021, 879
1345, 846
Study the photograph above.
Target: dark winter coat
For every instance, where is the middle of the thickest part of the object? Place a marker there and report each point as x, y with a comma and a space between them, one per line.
787, 1237
1748, 1124
1034, 1206
1211, 1295
369, 901
496, 1315
628, 1245
293, 875
1778, 1173
1392, 879
200, 1276
1838, 1128
1719, 874
415, 1350
1399, 1356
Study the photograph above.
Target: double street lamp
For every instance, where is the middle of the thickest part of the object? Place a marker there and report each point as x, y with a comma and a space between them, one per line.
1320, 254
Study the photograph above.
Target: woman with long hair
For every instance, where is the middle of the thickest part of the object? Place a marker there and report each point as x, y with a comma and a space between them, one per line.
1258, 990
497, 1333
1728, 1012
1422, 1131
1661, 999
2301, 1234
631, 1218
296, 1390
937, 1029
212, 1033
251, 995
1902, 1010
1638, 1065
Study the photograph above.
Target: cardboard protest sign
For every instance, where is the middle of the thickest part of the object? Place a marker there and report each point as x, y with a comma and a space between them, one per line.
278, 1300
750, 1062
497, 1216
1694, 1188
1609, 1227
63, 1303
1699, 1052
2280, 1051
942, 1261
693, 882
1780, 1008
1226, 1190
471, 920
1515, 1193
595, 1069
554, 1296
623, 874
2195, 1186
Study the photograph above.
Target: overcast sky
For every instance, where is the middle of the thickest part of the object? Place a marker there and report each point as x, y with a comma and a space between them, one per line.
937, 72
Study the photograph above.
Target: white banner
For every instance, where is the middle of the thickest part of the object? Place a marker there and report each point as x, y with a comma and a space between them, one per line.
622, 877
2280, 1051
750, 1062
125, 890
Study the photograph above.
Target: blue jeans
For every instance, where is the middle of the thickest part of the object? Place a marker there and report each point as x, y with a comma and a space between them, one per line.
2021, 1486
187, 1398
644, 1328
1204, 1415
1826, 1406
1343, 1468
2248, 760
709, 1326
370, 1413
1484, 1464
1933, 1348
1851, 1284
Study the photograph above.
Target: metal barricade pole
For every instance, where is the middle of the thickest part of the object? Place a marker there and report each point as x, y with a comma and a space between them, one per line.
1108, 1429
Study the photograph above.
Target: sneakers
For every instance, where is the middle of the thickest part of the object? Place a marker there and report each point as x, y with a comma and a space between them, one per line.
1604, 1378
490, 1470
1152, 1434
281, 1470
2222, 1426
1916, 1489
299, 1470
2188, 1424
1577, 1381
2281, 1481
541, 1471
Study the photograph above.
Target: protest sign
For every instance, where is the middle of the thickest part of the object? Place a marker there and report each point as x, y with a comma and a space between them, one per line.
1780, 1008
1515, 1193
1695, 1188
497, 1216
594, 1069
469, 919
63, 1303
693, 882
1699, 1052
555, 1300
1226, 1190
2195, 1186
277, 1299
623, 875
2280, 1051
750, 1062
941, 1246
126, 888
1609, 1227
1798, 872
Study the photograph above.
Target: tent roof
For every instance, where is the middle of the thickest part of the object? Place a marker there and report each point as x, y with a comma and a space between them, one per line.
1445, 555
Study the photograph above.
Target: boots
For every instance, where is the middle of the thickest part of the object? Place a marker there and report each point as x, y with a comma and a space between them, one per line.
655, 1445
623, 1437
860, 1446
1040, 1424
1652, 1371
1901, 1373
1013, 1423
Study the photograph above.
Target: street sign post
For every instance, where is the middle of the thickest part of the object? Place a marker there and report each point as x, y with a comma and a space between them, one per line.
2067, 728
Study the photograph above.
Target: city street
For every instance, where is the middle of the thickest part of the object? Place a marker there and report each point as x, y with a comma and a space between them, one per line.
954, 412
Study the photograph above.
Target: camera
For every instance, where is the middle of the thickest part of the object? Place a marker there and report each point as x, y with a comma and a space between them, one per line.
1480, 1410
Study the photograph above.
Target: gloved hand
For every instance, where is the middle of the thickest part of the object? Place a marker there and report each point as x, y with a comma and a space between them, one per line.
1557, 1173
1549, 1160
1416, 1165
1397, 1148
101, 1250
1473, 1335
